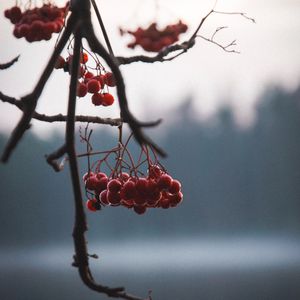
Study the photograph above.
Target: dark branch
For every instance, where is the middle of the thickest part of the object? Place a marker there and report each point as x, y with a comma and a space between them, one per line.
109, 47
52, 158
9, 64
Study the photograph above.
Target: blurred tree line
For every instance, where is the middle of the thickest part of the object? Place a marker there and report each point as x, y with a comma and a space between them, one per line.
235, 181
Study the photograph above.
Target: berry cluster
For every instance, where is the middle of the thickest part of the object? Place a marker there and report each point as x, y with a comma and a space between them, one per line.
38, 23
90, 82
152, 39
158, 189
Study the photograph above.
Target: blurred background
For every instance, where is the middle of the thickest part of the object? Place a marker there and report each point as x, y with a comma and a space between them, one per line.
231, 129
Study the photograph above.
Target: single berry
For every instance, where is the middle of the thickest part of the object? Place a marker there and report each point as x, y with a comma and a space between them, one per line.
84, 58
108, 99
15, 14
139, 209
93, 86
114, 185
165, 181
97, 99
81, 89
113, 198
60, 62
92, 205
88, 75
175, 187
128, 190
91, 183
103, 197
109, 79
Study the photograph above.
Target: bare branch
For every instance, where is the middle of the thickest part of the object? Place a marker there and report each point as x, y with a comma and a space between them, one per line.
9, 64
244, 15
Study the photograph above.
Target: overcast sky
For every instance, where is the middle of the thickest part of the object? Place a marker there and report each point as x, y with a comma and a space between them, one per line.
269, 55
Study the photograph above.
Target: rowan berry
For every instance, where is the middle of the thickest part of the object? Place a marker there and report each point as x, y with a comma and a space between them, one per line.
114, 185
165, 181
108, 99
109, 79
139, 209
113, 198
84, 58
92, 205
92, 183
81, 89
93, 86
175, 187
97, 99
103, 197
128, 190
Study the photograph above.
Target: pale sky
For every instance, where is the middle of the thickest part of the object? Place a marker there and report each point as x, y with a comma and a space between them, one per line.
269, 55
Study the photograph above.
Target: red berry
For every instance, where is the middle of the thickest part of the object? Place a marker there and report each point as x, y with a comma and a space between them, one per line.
17, 32
142, 186
175, 199
108, 99
124, 176
103, 197
128, 190
113, 198
165, 181
102, 184
15, 14
175, 187
92, 205
37, 26
97, 99
92, 183
139, 209
81, 89
154, 171
7, 13
93, 86
109, 79
84, 58
88, 75
60, 62
114, 185
127, 203
101, 175
87, 175
100, 80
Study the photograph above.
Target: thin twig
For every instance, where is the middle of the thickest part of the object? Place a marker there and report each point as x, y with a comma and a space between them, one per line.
9, 64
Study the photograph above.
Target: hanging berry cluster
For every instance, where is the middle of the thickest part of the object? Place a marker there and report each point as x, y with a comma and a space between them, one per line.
125, 184
89, 82
38, 23
152, 39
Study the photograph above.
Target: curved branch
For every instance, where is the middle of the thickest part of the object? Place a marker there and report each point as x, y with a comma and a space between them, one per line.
9, 64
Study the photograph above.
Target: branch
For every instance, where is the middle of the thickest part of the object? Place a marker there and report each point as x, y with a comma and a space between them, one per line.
213, 41
29, 102
81, 257
9, 64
